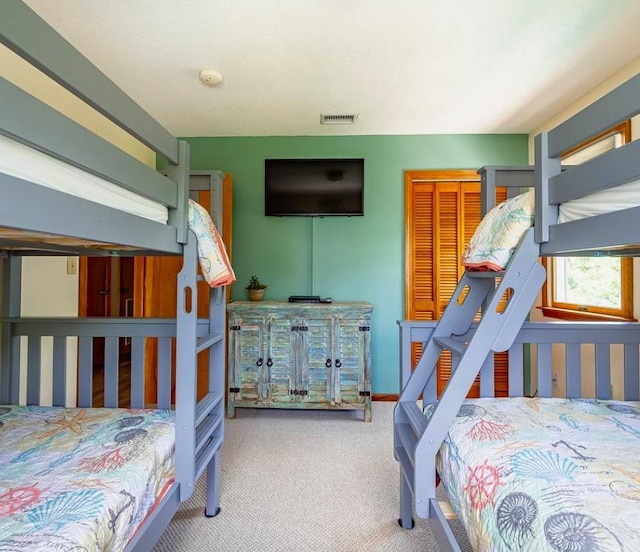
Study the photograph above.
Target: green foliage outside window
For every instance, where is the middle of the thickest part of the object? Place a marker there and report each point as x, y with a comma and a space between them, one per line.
592, 281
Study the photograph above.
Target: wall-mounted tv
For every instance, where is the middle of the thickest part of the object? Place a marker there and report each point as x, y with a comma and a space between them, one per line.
314, 187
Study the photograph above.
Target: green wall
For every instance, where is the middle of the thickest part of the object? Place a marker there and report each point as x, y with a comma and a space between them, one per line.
346, 258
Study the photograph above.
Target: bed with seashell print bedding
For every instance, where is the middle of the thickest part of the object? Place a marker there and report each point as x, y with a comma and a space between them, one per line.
545, 474
80, 479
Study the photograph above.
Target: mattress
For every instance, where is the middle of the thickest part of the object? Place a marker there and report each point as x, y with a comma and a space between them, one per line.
605, 201
80, 479
24, 162
545, 474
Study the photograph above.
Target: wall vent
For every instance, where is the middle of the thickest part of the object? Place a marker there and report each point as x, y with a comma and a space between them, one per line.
338, 119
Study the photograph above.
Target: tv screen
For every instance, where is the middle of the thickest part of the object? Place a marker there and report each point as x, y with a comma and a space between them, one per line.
314, 187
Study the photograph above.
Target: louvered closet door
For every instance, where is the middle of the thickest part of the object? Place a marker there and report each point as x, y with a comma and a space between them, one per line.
442, 210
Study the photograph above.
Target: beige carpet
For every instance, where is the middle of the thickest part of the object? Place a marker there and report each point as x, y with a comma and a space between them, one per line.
303, 480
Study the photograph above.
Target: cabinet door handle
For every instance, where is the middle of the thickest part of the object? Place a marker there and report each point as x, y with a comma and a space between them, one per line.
269, 362
328, 363
338, 363
260, 361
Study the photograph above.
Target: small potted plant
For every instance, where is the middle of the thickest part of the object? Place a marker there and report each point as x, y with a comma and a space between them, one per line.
256, 289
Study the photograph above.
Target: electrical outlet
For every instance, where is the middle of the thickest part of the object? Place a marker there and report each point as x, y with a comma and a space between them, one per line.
554, 380
72, 265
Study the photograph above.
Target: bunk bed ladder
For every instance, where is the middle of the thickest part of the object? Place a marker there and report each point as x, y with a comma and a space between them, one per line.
418, 438
201, 427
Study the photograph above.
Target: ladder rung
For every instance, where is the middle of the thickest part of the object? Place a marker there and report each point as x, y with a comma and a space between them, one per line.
206, 341
408, 440
205, 430
204, 456
405, 466
414, 416
206, 405
455, 346
485, 273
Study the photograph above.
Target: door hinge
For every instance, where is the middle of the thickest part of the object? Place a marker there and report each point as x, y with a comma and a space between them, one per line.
364, 328
234, 390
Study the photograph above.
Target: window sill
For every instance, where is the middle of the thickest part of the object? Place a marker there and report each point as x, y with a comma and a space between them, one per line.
567, 314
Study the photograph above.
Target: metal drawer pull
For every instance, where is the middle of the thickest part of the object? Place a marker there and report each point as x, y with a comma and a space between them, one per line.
338, 363
328, 363
269, 362
260, 361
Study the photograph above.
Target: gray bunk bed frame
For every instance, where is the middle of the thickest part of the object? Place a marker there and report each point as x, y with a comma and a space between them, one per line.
472, 344
199, 427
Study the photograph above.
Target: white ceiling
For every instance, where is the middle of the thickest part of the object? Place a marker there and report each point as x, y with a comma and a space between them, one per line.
405, 66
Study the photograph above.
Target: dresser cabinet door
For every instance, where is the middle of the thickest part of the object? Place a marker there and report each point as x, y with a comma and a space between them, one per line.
280, 363
350, 360
313, 359
249, 363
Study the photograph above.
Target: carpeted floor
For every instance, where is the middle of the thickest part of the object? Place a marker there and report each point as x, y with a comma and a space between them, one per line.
303, 480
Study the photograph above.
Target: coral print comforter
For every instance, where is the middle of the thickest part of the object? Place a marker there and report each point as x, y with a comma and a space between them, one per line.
546, 474
80, 479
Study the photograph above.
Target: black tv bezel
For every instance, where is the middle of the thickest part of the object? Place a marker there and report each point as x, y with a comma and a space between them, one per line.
301, 161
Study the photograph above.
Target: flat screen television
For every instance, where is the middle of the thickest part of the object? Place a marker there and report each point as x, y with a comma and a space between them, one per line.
314, 187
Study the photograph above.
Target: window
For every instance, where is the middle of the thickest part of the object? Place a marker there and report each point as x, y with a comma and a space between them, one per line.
590, 288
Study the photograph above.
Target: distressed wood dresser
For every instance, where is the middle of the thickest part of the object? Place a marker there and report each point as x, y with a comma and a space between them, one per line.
299, 355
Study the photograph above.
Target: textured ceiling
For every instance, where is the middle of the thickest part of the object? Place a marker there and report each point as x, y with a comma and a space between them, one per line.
405, 66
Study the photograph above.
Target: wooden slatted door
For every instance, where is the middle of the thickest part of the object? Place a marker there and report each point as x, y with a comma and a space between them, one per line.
442, 210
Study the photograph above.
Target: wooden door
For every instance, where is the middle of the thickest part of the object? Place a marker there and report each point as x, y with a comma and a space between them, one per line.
97, 286
160, 289
442, 210
147, 288
98, 283
106, 288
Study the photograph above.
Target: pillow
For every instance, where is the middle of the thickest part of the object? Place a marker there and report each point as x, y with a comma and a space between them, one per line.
499, 233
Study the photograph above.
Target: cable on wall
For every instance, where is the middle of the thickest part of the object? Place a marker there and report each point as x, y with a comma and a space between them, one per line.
313, 255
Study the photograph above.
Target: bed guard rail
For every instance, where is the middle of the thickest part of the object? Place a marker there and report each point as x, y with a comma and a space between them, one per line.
556, 184
570, 359
47, 351
514, 178
34, 123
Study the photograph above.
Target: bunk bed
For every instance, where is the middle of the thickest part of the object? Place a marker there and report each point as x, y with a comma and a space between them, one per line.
99, 478
542, 473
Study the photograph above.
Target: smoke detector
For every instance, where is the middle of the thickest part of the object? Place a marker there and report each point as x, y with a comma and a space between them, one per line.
338, 119
211, 77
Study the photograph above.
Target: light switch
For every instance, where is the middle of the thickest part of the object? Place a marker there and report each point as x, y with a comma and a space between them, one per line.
72, 265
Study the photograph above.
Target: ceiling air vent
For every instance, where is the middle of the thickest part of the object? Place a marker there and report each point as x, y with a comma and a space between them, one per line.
338, 119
